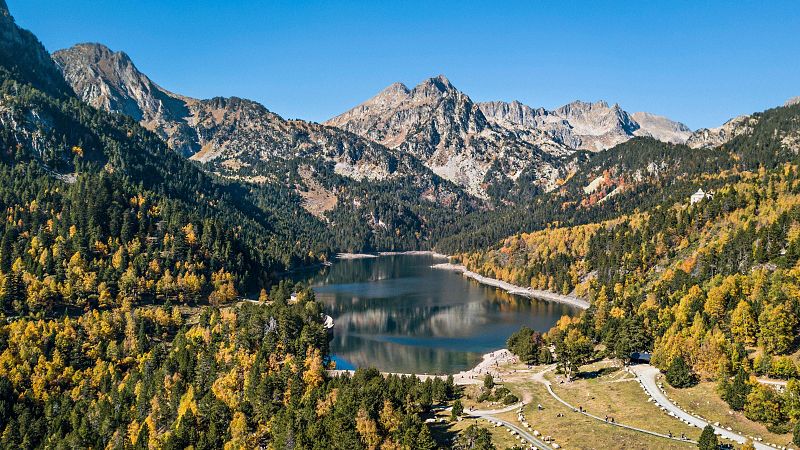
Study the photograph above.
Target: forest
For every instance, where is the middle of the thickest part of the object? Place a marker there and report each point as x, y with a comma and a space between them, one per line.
711, 288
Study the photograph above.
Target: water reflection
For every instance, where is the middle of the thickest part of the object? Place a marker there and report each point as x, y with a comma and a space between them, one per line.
397, 314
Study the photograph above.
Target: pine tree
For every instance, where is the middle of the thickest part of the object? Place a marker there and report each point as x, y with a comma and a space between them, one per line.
708, 440
679, 374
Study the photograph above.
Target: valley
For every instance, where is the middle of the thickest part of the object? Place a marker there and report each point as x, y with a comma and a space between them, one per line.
420, 271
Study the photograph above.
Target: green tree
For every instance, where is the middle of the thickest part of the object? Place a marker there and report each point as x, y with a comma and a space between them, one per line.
457, 411
679, 374
526, 344
474, 438
708, 440
488, 381
735, 392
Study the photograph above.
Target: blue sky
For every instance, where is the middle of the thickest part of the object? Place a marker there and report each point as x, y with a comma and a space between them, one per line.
700, 62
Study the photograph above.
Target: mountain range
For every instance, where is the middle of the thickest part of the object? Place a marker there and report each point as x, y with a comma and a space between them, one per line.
399, 169
430, 129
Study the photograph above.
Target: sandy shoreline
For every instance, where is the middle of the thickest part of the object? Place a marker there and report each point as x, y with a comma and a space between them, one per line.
514, 289
488, 364
379, 254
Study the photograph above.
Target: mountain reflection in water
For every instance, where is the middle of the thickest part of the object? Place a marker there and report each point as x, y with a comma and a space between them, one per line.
399, 315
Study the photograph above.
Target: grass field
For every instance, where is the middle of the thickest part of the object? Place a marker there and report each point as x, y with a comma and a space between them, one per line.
704, 400
576, 431
608, 390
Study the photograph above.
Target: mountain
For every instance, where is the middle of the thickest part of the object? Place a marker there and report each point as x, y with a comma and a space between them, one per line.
450, 134
230, 134
368, 197
661, 128
583, 126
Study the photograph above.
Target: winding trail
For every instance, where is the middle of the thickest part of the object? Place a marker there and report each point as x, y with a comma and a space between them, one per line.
525, 434
539, 377
647, 377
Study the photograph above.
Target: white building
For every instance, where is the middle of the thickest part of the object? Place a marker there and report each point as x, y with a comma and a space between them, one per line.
700, 196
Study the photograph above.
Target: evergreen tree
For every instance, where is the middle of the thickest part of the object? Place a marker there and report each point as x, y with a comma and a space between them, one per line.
708, 440
474, 438
679, 374
735, 392
457, 411
488, 381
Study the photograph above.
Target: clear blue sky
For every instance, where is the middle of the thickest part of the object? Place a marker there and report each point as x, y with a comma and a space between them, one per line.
700, 62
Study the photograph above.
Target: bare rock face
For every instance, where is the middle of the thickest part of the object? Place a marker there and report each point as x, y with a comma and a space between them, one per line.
792, 101
661, 128
232, 135
449, 133
584, 126
110, 81
714, 137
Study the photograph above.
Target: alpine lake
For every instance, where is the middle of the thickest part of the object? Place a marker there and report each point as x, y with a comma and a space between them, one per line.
398, 314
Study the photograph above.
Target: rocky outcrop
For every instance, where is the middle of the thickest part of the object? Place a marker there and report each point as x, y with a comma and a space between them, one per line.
583, 126
714, 137
661, 128
449, 133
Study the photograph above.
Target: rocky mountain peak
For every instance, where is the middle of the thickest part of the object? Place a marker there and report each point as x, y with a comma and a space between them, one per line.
100, 53
109, 80
792, 101
435, 87
4, 8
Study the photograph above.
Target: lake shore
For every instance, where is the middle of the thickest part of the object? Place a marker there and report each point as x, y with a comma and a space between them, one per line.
489, 364
379, 254
514, 289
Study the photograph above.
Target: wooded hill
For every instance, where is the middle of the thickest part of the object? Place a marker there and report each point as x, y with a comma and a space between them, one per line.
714, 283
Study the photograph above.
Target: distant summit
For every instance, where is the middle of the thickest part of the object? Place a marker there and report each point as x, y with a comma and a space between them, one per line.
449, 133
480, 144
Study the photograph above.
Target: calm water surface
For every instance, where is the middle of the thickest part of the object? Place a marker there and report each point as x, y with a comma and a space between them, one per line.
399, 315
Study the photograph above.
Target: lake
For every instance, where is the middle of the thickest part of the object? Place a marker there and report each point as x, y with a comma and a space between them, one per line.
398, 314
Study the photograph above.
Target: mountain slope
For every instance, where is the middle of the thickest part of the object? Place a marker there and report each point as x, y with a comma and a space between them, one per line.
229, 133
24, 57
714, 137
63, 149
386, 200
450, 134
